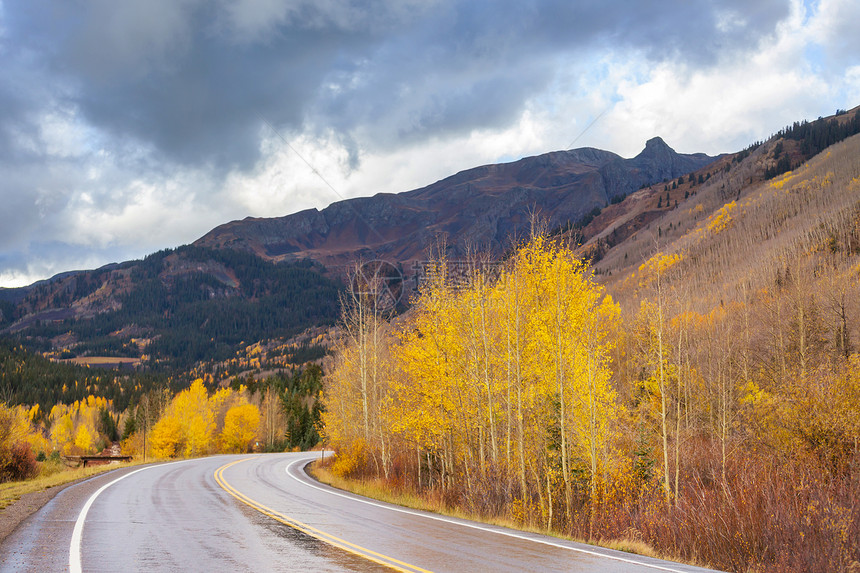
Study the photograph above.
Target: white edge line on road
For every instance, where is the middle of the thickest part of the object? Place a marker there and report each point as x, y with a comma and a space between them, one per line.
78, 531
474, 526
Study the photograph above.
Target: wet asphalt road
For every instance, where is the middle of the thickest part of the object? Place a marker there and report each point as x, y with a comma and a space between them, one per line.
263, 513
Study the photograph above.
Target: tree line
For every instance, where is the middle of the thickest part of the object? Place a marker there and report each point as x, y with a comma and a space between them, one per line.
275, 414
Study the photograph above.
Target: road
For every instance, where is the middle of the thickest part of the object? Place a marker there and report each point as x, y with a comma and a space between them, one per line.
263, 513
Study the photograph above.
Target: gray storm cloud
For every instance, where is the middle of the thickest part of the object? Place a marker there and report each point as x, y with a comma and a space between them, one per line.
166, 85
191, 78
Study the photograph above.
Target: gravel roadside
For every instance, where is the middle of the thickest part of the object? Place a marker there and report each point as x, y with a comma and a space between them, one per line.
29, 503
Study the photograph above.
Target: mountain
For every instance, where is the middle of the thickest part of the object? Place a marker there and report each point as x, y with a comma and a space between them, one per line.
176, 307
479, 208
267, 279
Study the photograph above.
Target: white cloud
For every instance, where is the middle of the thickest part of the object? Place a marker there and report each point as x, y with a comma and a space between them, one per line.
720, 109
852, 86
15, 279
834, 26
63, 135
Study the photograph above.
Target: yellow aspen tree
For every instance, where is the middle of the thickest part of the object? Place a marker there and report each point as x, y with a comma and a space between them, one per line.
511, 284
166, 437
569, 322
240, 428
193, 410
661, 366
62, 430
28, 430
600, 408
562, 333
84, 439
554, 322
442, 321
422, 409
476, 397
343, 416
523, 288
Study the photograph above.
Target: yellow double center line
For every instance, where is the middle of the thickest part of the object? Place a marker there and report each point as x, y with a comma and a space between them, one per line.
312, 531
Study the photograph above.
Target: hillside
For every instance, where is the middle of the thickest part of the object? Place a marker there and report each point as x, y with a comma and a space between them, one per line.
175, 307
696, 390
738, 218
480, 208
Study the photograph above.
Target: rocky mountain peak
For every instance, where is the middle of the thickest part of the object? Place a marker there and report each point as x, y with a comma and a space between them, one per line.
656, 146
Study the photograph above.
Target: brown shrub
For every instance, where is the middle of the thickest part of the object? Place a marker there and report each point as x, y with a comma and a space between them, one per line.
19, 463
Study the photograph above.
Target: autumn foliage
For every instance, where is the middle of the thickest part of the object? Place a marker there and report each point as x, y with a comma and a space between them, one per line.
238, 414
240, 428
196, 423
497, 394
726, 435
17, 435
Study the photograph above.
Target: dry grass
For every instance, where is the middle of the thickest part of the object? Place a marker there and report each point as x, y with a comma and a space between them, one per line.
792, 514
634, 546
377, 489
51, 475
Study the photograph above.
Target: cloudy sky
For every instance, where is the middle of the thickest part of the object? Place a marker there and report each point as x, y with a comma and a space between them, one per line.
128, 127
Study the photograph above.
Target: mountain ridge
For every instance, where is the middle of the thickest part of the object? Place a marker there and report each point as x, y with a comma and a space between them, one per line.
245, 282
481, 207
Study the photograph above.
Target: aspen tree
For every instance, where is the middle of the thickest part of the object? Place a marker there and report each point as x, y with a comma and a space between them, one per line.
512, 284
357, 322
363, 321
240, 427
166, 437
192, 409
272, 417
655, 315
682, 359
600, 322
491, 362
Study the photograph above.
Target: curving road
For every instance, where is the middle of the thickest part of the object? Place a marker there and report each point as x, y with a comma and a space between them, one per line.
263, 513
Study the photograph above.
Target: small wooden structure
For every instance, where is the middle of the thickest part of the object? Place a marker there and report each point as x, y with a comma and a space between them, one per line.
96, 460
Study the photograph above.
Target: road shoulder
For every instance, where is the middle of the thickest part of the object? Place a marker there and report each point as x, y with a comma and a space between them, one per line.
28, 504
